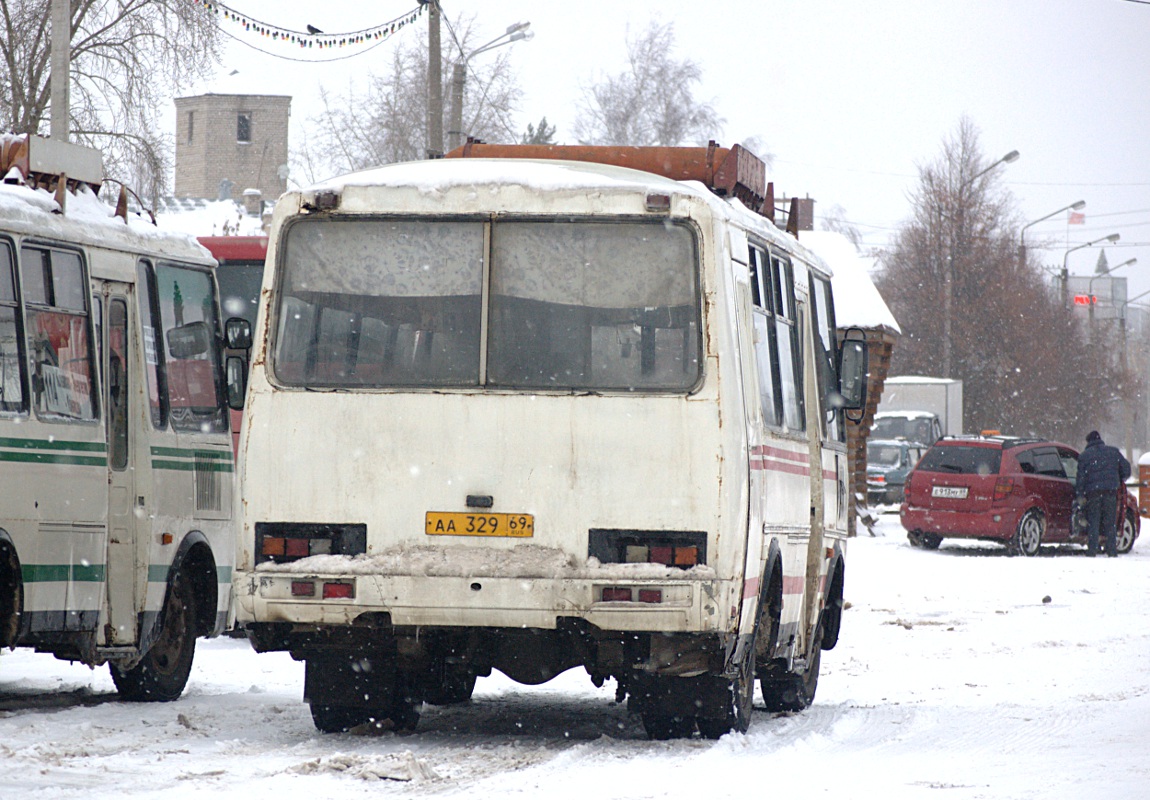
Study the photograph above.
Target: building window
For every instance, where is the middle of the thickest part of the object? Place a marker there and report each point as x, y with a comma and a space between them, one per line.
191, 126
244, 126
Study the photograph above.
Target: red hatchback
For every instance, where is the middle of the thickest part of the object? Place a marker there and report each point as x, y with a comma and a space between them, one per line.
1017, 492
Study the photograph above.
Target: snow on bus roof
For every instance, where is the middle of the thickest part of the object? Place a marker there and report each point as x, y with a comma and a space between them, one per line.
86, 220
857, 301
441, 174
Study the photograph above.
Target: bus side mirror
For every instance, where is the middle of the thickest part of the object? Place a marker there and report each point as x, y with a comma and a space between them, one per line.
853, 375
238, 334
237, 375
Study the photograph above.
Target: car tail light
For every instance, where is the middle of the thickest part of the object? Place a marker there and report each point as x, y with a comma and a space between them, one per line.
876, 478
1003, 487
616, 594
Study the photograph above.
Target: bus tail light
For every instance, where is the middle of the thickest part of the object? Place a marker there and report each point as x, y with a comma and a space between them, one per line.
338, 590
650, 595
616, 594
302, 589
282, 542
682, 549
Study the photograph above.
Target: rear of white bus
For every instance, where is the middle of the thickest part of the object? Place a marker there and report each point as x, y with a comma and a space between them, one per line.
485, 430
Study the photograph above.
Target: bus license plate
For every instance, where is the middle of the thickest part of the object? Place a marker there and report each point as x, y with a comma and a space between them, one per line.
450, 523
955, 492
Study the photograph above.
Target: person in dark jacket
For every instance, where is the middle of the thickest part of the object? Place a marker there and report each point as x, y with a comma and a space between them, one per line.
1102, 471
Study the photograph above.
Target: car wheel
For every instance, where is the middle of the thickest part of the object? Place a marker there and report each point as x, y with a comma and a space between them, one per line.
1126, 533
930, 541
915, 538
1028, 538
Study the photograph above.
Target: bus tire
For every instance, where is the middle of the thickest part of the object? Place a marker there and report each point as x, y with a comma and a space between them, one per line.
740, 701
661, 727
337, 719
794, 691
161, 675
452, 686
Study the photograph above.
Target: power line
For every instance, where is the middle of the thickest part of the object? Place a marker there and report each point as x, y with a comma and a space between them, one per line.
313, 37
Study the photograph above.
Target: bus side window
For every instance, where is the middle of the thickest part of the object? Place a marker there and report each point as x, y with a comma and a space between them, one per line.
789, 354
153, 355
768, 364
12, 378
194, 379
57, 326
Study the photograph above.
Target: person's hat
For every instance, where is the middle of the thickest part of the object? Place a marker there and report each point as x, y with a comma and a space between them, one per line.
1093, 436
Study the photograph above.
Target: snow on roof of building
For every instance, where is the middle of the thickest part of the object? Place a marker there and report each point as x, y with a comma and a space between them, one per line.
857, 301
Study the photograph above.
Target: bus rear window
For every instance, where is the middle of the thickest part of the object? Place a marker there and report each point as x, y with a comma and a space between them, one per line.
570, 305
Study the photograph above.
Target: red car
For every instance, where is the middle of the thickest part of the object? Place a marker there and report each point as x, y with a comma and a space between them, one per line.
1017, 492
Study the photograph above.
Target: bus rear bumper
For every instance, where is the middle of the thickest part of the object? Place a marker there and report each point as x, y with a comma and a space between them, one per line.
423, 601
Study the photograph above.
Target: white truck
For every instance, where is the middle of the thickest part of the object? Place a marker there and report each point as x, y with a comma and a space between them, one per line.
919, 409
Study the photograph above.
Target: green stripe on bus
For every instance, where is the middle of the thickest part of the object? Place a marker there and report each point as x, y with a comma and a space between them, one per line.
188, 452
52, 444
158, 573
188, 466
53, 458
63, 573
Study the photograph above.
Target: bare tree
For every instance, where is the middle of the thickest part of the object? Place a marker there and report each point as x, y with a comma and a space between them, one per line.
652, 102
1025, 364
128, 58
835, 219
387, 121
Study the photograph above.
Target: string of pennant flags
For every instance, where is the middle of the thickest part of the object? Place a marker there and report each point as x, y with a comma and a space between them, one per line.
312, 37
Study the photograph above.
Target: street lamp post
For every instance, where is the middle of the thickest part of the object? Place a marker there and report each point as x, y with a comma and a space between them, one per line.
1090, 293
514, 33
1078, 206
948, 279
1065, 275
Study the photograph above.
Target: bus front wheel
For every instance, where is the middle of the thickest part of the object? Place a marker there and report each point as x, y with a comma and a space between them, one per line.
161, 675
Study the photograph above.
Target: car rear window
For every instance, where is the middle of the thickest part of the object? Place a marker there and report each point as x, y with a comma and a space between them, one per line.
962, 460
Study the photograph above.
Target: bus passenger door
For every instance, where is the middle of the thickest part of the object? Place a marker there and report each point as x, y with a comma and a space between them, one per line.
123, 525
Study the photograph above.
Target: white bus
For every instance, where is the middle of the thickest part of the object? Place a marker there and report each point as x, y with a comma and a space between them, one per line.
116, 466
531, 415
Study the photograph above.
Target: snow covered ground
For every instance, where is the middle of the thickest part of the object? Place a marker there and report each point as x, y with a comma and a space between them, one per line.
955, 678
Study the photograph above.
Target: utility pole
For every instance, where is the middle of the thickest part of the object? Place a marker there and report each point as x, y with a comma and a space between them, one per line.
434, 84
58, 84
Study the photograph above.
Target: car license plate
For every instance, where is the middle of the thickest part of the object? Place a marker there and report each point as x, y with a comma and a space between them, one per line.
451, 523
955, 492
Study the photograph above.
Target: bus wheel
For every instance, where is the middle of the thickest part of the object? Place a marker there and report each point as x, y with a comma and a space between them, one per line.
162, 673
660, 726
450, 686
337, 719
794, 691
736, 713
1125, 538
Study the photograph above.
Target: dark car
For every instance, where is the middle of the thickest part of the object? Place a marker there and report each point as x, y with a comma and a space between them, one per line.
1017, 492
888, 462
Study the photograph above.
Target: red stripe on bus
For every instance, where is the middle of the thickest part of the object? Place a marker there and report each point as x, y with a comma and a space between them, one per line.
751, 587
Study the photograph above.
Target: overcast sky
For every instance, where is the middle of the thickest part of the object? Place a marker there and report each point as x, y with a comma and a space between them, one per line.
850, 97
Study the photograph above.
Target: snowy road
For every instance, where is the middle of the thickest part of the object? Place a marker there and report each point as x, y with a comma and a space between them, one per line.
953, 679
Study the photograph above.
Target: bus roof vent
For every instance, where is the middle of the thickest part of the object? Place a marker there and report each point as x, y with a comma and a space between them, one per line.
728, 172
